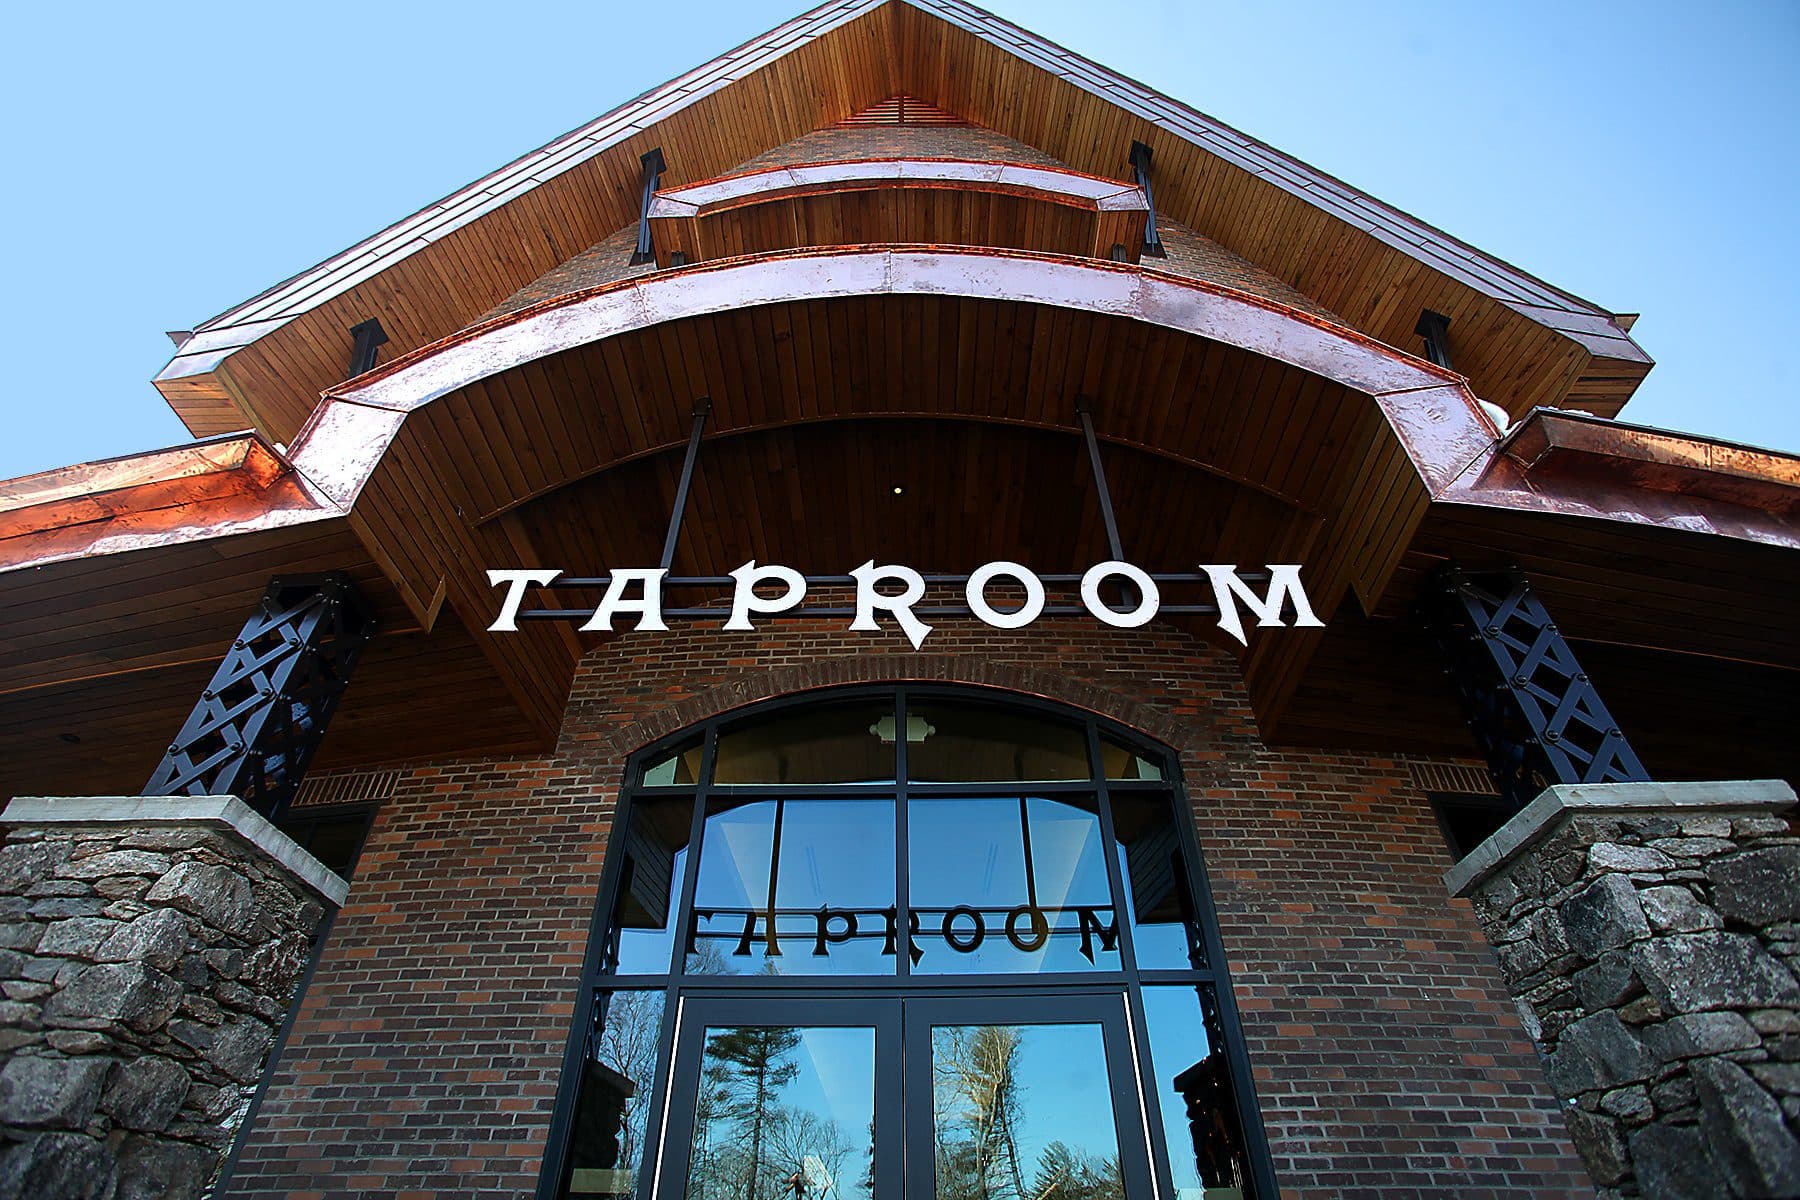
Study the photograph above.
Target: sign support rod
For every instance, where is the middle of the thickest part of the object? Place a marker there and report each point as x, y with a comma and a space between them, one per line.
702, 407
1084, 408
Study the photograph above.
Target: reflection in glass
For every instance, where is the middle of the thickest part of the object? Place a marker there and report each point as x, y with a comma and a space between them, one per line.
655, 849
795, 887
1163, 929
827, 743
1193, 1082
606, 1144
784, 1111
1023, 1111
676, 768
978, 743
1009, 884
1122, 762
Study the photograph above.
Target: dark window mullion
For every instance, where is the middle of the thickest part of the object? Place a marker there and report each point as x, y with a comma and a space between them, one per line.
902, 849
1144, 1083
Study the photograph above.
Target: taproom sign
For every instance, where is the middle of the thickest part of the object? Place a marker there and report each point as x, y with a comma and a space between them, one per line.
1005, 595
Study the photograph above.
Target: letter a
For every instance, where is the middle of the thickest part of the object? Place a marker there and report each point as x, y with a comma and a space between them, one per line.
648, 606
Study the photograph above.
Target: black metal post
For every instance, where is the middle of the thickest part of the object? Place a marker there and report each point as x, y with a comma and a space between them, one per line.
702, 407
1140, 163
367, 339
1535, 713
263, 715
653, 169
1434, 327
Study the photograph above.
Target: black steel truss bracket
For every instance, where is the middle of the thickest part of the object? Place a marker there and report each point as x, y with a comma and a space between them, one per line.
367, 339
1140, 163
1536, 715
654, 166
1434, 327
263, 715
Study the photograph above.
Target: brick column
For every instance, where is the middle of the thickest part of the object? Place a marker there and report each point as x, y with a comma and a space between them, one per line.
149, 949
1650, 934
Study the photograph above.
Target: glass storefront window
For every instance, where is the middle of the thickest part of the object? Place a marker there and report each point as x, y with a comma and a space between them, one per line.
1159, 896
1119, 761
907, 930
952, 742
1000, 885
618, 1071
679, 767
1023, 1110
655, 849
827, 743
784, 1110
795, 887
1193, 1085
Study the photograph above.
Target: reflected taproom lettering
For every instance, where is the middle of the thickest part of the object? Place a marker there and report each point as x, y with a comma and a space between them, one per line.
1028, 928
1003, 595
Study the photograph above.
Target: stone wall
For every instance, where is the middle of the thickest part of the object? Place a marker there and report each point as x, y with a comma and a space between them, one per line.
149, 949
1651, 937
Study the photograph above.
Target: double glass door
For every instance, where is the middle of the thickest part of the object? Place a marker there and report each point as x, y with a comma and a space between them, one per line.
914, 1097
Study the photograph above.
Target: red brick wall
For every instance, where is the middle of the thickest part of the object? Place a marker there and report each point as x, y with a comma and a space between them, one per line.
1388, 1060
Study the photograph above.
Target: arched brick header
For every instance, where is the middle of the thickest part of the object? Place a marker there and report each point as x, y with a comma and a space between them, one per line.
755, 687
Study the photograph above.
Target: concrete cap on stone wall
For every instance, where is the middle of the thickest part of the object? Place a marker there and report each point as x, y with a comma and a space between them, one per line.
1543, 814
227, 814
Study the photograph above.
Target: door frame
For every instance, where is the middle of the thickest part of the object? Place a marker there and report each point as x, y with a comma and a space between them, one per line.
902, 1019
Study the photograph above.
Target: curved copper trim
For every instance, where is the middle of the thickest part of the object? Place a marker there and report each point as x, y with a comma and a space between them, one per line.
1055, 185
1432, 411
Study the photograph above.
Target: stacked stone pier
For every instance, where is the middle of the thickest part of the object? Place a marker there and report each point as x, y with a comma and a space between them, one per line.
1650, 934
149, 949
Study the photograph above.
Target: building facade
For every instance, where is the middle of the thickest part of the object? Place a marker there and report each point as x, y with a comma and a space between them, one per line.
904, 616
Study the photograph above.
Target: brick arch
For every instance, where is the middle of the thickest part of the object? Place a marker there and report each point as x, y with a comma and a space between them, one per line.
1181, 735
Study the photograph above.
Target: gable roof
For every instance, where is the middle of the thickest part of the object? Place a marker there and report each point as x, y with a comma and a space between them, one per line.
1590, 361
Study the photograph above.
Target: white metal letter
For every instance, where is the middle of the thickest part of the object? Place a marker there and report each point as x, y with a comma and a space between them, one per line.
1284, 583
648, 606
745, 601
868, 600
516, 582
1149, 600
1025, 614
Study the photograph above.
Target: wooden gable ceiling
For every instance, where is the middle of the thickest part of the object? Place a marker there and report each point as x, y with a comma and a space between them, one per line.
1521, 342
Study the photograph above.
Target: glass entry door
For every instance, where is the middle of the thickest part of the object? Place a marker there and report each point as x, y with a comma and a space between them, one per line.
904, 1098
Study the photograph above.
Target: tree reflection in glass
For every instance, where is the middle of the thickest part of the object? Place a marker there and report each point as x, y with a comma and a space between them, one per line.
784, 1111
1022, 1112
607, 1141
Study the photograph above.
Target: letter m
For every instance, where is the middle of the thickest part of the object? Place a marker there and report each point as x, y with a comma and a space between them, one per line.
1284, 586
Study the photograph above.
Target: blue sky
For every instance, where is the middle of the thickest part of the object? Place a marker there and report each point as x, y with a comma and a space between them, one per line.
163, 163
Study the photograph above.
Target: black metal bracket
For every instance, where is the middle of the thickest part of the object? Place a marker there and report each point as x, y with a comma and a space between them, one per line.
1084, 410
1434, 327
1140, 163
263, 715
654, 166
367, 340
702, 407
1536, 715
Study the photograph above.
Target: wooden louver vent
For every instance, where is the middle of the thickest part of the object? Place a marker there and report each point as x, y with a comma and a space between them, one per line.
901, 110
